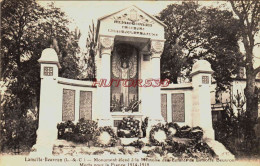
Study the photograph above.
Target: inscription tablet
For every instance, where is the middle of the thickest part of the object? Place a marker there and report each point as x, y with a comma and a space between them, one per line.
85, 105
68, 105
178, 107
164, 106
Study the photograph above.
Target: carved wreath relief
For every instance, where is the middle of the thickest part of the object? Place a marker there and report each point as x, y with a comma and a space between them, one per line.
134, 16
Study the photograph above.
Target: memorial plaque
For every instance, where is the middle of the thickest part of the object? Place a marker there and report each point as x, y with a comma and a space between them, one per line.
178, 107
85, 105
164, 106
131, 22
117, 122
68, 105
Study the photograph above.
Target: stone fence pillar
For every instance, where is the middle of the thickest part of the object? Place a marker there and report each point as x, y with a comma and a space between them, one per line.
48, 112
201, 82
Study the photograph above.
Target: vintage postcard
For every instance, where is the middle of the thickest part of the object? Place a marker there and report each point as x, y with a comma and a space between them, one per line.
130, 83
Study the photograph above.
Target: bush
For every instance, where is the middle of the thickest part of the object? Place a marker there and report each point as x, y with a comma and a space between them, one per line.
66, 130
192, 149
18, 136
18, 126
236, 132
82, 132
85, 130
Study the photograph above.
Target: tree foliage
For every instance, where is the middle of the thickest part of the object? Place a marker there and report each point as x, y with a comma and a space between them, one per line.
182, 39
26, 30
248, 13
222, 35
195, 32
88, 62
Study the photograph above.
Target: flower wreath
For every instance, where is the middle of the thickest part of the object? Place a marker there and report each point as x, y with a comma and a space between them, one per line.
110, 131
171, 126
65, 130
131, 125
196, 133
154, 130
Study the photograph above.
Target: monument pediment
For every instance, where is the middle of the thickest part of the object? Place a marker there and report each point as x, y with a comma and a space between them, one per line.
134, 16
133, 22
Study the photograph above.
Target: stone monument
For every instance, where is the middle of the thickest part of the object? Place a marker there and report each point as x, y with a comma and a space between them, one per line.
130, 44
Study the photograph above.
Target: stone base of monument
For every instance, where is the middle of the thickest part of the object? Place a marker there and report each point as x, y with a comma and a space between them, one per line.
208, 133
127, 141
105, 122
125, 147
62, 147
220, 150
182, 140
41, 149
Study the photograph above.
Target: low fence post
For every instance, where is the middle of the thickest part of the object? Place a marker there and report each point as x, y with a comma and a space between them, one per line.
48, 112
201, 82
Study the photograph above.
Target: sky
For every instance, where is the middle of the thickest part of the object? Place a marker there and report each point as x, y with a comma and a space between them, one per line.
83, 12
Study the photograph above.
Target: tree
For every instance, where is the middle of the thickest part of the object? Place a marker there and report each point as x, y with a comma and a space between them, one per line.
248, 13
27, 29
182, 39
88, 59
193, 33
221, 36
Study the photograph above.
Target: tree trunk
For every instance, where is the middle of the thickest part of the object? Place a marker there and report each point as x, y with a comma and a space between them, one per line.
251, 96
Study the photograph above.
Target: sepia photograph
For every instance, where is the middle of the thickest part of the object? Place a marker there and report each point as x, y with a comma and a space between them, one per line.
129, 83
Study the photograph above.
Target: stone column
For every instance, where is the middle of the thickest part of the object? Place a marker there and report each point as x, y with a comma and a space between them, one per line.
145, 92
48, 113
201, 81
106, 45
154, 113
